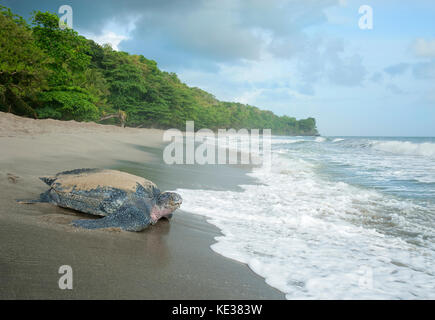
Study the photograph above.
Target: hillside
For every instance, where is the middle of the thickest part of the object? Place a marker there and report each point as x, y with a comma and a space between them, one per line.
47, 72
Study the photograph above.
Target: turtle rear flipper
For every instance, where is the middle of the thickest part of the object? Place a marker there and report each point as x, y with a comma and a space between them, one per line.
48, 180
126, 218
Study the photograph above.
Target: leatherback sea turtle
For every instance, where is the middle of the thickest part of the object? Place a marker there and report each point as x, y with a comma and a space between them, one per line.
124, 200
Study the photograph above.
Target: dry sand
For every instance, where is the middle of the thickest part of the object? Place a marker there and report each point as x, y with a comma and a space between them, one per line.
171, 260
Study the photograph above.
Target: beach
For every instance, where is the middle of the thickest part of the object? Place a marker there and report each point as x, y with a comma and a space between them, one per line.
170, 260
313, 226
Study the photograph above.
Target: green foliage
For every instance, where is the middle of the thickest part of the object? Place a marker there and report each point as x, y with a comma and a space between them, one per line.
76, 91
68, 103
67, 49
23, 66
86, 81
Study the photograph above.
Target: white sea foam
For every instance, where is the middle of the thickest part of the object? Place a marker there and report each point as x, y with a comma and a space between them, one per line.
320, 139
314, 238
337, 140
426, 149
287, 141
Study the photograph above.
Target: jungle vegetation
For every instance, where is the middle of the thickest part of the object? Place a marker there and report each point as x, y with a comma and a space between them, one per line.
50, 72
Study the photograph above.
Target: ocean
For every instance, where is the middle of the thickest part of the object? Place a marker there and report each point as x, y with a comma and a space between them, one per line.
335, 218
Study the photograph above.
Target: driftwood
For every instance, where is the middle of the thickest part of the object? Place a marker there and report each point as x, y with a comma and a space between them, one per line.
121, 115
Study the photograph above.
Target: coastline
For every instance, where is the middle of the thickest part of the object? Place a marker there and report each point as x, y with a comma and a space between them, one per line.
170, 260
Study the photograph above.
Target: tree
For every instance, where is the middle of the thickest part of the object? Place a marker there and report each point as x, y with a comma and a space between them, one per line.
67, 49
23, 66
68, 103
75, 91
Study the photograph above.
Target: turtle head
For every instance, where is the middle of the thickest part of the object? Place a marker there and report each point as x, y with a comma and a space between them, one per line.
167, 202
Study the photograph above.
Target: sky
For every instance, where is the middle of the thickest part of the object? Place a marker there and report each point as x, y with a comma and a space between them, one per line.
302, 58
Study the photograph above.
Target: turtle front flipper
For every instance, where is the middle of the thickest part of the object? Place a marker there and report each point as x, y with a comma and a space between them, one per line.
127, 218
43, 197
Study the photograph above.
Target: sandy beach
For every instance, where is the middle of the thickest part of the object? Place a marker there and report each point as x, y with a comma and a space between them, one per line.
170, 260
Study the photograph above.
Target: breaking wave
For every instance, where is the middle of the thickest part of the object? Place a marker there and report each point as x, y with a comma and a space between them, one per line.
425, 149
313, 238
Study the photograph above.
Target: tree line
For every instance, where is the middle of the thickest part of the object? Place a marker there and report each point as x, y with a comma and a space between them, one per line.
50, 72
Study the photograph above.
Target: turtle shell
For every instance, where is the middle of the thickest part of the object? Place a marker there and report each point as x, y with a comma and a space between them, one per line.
98, 191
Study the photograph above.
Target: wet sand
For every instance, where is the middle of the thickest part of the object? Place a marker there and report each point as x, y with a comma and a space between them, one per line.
170, 260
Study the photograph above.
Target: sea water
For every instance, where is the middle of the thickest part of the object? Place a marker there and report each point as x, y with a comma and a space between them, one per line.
335, 218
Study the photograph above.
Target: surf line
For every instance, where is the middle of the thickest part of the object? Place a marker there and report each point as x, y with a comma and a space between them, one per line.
185, 310
243, 144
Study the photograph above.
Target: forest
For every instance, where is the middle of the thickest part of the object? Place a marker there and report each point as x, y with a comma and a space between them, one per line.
52, 72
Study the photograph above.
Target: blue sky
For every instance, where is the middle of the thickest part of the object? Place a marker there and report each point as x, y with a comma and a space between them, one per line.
301, 58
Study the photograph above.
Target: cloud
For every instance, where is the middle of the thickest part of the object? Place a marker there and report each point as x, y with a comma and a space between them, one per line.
394, 89
306, 89
397, 69
248, 97
283, 17
326, 59
263, 96
109, 37
377, 77
342, 3
234, 30
214, 30
424, 70
420, 70
424, 48
348, 71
